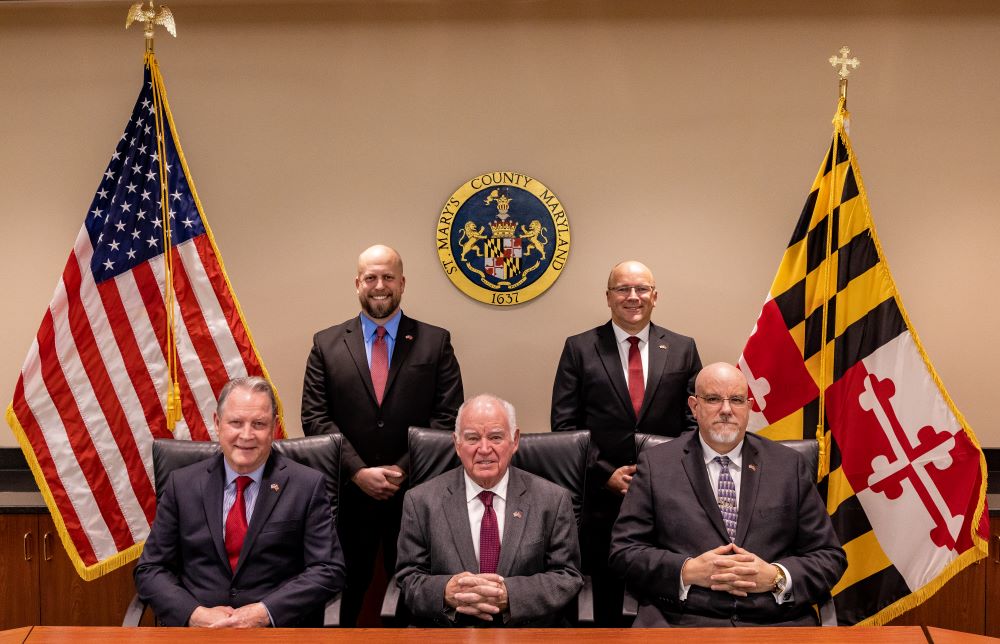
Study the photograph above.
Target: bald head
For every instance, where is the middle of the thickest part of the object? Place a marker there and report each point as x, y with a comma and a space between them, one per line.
631, 296
720, 405
379, 254
380, 282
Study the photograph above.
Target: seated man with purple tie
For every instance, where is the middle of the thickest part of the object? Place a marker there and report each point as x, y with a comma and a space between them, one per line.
724, 528
487, 544
245, 538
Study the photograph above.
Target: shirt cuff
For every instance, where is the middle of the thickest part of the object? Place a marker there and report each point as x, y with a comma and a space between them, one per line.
683, 594
269, 618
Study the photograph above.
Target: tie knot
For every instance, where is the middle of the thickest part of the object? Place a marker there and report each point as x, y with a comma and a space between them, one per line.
379, 332
242, 482
487, 498
723, 461
634, 341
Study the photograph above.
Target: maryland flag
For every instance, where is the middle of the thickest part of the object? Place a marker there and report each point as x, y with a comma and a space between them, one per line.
904, 474
135, 345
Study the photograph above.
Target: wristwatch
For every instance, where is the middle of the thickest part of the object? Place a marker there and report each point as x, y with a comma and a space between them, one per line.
779, 583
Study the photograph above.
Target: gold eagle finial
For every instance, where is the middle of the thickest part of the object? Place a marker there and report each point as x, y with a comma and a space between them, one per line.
151, 16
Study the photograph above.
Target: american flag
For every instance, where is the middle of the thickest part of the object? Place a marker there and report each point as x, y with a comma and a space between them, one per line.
92, 395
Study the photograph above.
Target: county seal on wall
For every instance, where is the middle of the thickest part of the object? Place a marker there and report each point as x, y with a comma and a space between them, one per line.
503, 238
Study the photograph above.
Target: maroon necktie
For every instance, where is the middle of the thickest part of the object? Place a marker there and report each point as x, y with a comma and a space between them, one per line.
636, 386
489, 535
380, 363
236, 523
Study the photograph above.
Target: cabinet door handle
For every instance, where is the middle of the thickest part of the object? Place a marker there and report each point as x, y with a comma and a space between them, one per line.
27, 546
46, 548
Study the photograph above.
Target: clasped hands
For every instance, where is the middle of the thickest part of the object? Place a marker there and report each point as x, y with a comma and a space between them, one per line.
729, 569
483, 595
380, 482
249, 616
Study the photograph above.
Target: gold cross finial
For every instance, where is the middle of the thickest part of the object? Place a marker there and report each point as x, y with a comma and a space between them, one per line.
843, 61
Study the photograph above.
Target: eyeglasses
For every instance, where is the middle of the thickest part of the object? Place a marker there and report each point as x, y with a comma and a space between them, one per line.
734, 401
640, 290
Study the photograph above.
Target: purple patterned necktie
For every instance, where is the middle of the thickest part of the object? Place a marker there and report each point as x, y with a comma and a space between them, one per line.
489, 535
726, 496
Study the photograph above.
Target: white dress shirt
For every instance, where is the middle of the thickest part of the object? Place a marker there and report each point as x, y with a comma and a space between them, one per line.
477, 509
622, 336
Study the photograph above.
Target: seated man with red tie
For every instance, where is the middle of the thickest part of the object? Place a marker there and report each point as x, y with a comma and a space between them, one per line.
725, 528
487, 544
245, 538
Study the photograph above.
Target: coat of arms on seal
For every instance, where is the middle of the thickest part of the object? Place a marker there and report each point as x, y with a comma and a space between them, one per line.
503, 238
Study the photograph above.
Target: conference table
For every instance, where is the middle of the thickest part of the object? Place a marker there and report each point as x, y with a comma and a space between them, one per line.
873, 635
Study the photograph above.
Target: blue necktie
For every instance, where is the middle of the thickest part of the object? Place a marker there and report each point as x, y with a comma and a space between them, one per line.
726, 496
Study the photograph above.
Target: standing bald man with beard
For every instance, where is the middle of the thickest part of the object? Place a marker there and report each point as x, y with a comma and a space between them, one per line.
371, 378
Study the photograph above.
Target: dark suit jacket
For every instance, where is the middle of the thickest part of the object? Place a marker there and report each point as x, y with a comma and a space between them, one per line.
424, 388
291, 559
670, 513
590, 392
539, 554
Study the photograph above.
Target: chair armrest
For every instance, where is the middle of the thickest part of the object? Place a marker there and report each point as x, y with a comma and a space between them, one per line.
331, 613
390, 603
630, 605
134, 612
585, 602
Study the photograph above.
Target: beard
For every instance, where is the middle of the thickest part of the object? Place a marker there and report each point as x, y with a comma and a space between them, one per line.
724, 434
379, 309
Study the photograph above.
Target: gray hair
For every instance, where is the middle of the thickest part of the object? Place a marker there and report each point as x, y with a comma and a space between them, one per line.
255, 384
508, 410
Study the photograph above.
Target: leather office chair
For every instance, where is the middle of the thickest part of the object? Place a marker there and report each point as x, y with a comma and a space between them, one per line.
560, 457
809, 449
318, 452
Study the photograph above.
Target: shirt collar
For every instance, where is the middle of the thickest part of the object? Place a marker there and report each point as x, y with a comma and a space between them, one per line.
472, 489
231, 474
735, 455
391, 326
621, 335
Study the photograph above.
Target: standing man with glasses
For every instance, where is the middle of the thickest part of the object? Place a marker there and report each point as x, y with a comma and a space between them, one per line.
725, 528
626, 376
369, 379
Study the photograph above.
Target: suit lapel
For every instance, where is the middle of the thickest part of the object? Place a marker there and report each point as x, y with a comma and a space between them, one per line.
272, 485
749, 484
697, 473
518, 506
354, 338
657, 349
607, 349
456, 513
211, 496
406, 336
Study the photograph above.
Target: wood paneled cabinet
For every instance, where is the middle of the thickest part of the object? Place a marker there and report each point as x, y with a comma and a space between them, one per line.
39, 585
993, 580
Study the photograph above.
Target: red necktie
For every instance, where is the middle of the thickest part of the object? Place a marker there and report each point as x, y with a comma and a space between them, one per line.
380, 363
489, 536
636, 386
236, 523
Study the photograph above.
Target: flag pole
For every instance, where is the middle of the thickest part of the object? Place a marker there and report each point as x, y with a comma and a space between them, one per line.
150, 17
840, 121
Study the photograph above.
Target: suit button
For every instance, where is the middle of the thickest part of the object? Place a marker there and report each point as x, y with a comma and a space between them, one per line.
380, 423
233, 592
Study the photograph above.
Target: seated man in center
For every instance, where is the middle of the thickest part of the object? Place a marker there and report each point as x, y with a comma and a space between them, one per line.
487, 544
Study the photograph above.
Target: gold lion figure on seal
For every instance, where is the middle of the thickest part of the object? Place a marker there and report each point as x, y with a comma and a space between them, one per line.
472, 237
531, 234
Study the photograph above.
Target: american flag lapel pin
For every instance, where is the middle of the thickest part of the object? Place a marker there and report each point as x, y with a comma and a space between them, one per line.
408, 337
275, 487
663, 346
753, 467
518, 514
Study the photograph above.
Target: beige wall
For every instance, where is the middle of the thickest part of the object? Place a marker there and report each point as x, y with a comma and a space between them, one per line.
686, 137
